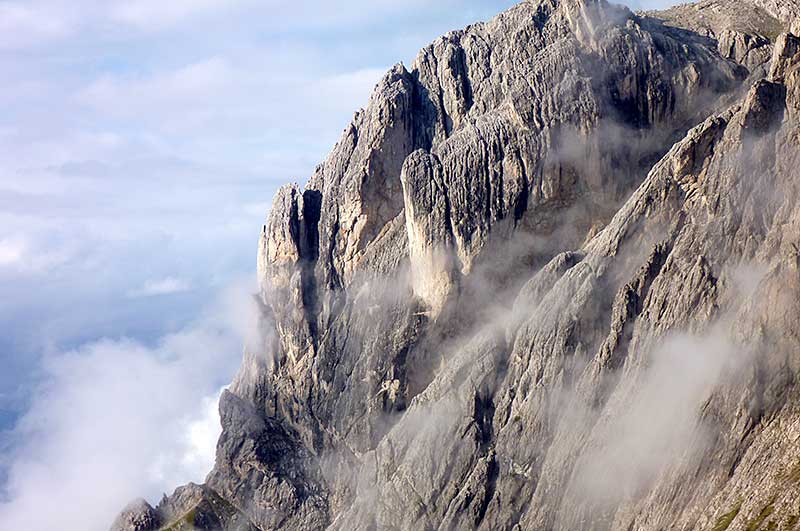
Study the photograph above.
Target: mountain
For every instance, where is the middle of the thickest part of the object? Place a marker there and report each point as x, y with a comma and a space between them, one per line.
549, 278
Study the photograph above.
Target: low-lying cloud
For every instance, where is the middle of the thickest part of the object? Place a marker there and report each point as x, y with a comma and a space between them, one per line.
656, 421
114, 420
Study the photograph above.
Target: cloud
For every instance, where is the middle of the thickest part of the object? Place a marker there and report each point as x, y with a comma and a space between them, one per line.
201, 437
151, 15
219, 98
164, 286
11, 252
23, 25
114, 420
191, 83
18, 254
656, 422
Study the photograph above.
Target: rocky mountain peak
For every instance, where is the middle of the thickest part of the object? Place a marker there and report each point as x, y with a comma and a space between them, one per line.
546, 279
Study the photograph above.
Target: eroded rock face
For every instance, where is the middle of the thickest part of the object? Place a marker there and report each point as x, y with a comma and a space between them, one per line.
189, 508
138, 516
434, 271
547, 279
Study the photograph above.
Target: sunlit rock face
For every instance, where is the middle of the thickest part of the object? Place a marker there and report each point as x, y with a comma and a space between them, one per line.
547, 279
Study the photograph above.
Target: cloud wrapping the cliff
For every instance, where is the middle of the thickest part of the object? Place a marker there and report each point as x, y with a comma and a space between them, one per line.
115, 420
656, 422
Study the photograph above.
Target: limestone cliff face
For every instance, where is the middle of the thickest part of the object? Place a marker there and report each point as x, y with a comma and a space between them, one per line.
547, 279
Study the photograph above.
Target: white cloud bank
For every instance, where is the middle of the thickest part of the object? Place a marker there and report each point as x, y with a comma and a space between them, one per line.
116, 420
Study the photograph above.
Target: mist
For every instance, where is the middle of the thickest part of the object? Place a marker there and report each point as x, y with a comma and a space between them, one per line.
115, 420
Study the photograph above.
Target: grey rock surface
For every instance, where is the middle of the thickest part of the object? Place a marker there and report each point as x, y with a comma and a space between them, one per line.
547, 279
137, 516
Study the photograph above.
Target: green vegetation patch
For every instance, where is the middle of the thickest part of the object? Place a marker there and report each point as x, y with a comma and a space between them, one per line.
184, 523
794, 473
724, 521
766, 512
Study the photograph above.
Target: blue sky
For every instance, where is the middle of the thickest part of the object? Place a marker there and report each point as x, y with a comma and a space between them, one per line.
141, 143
